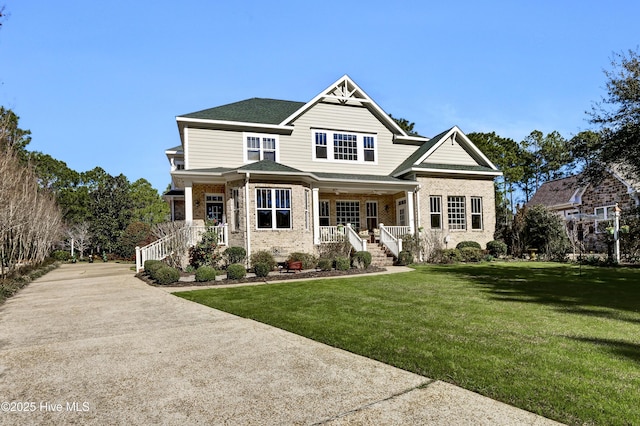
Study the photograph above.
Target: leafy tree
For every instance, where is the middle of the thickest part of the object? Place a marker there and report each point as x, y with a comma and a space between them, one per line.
11, 135
618, 117
405, 125
136, 234
148, 206
538, 228
53, 174
110, 208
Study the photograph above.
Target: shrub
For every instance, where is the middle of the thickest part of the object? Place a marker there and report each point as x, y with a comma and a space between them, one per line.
205, 252
263, 256
308, 260
471, 254
236, 271
325, 264
166, 275
450, 256
151, 266
261, 269
343, 263
405, 257
463, 244
61, 255
362, 259
497, 248
234, 255
205, 273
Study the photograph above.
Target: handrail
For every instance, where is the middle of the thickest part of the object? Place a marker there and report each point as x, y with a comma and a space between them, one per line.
165, 246
398, 231
331, 234
354, 239
391, 242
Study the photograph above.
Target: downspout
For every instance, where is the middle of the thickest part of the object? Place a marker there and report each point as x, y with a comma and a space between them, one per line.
247, 214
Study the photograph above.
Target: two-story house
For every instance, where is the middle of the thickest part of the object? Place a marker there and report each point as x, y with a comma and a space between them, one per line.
287, 176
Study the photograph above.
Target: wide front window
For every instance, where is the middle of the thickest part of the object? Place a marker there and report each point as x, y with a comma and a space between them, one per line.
273, 208
348, 212
344, 146
456, 213
260, 147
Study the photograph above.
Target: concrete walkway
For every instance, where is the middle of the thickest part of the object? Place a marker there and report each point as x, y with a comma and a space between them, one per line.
91, 344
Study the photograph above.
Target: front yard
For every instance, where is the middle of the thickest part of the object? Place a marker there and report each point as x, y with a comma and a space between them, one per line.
535, 335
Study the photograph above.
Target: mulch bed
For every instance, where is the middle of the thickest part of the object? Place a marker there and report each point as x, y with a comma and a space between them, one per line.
274, 277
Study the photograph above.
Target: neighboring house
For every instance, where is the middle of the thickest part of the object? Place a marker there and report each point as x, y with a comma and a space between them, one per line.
287, 176
588, 209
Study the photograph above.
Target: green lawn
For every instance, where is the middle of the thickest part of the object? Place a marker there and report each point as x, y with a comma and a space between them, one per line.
534, 335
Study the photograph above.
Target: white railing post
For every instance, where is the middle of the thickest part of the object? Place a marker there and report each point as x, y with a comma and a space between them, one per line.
138, 259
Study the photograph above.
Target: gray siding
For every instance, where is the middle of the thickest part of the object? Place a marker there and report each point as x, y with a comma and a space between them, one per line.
451, 153
214, 148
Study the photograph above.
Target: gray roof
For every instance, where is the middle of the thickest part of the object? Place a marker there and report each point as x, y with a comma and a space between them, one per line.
556, 192
254, 110
418, 153
268, 166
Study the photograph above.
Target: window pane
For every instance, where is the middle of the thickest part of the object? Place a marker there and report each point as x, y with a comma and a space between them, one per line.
270, 155
476, 222
369, 155
345, 147
265, 219
321, 152
283, 218
435, 221
253, 155
456, 213
269, 144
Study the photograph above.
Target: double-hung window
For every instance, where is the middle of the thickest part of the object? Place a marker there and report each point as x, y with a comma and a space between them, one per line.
342, 146
456, 212
324, 213
435, 211
260, 147
348, 212
273, 208
476, 213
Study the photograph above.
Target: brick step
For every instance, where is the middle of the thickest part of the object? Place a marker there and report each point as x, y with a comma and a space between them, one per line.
379, 256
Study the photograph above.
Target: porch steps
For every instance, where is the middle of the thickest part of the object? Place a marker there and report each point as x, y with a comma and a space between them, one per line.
379, 256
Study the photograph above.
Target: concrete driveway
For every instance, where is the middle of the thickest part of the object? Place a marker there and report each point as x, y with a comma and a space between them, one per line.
91, 344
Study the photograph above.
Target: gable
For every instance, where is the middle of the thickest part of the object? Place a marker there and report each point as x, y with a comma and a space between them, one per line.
451, 151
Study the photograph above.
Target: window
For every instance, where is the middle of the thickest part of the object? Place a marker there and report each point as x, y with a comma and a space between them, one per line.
476, 213
273, 208
307, 219
348, 212
369, 149
372, 214
456, 213
345, 146
435, 209
214, 207
261, 147
321, 145
604, 216
235, 194
324, 213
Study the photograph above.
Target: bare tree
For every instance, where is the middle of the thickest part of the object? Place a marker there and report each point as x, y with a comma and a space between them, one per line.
81, 236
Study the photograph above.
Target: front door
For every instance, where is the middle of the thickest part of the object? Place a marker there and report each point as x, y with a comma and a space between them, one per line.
215, 207
401, 212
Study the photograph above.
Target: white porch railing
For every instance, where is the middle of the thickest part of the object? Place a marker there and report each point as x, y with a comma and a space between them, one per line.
354, 239
392, 242
166, 245
331, 234
398, 231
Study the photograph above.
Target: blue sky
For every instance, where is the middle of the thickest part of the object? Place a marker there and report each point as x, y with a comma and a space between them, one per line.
100, 83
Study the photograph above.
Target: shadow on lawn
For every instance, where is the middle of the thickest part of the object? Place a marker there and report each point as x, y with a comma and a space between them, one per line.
617, 347
561, 286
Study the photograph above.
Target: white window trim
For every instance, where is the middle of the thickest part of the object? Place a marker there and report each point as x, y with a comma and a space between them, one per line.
433, 212
464, 224
606, 218
330, 152
328, 210
262, 136
480, 213
348, 201
223, 202
273, 208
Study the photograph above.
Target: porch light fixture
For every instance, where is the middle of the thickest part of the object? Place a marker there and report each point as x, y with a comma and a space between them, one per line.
386, 208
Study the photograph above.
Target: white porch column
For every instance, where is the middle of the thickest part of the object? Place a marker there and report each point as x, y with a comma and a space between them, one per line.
315, 203
188, 203
410, 212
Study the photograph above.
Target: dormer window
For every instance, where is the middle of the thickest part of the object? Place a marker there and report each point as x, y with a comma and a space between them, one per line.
349, 147
260, 147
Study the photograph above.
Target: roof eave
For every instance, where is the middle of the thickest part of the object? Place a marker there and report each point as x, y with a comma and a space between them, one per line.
448, 171
235, 125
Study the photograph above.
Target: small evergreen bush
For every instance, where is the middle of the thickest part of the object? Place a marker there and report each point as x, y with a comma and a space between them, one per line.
343, 263
362, 259
261, 269
405, 257
450, 256
497, 248
166, 275
61, 255
325, 264
309, 261
236, 271
463, 244
205, 273
263, 256
234, 254
471, 254
151, 266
